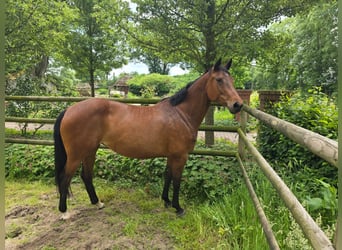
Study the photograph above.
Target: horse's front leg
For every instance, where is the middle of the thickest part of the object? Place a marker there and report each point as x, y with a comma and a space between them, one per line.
167, 182
175, 169
175, 199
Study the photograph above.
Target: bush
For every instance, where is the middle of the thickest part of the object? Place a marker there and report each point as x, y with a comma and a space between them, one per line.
313, 111
150, 85
208, 178
29, 162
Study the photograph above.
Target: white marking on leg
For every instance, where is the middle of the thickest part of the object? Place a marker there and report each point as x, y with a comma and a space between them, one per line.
65, 216
100, 205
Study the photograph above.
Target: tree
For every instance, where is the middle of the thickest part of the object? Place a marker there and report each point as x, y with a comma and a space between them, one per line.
316, 39
301, 52
153, 62
34, 31
156, 65
200, 31
94, 47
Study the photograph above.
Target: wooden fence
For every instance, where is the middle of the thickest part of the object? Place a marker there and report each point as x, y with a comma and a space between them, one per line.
317, 144
325, 148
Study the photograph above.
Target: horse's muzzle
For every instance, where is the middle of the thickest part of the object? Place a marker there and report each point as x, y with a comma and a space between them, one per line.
235, 108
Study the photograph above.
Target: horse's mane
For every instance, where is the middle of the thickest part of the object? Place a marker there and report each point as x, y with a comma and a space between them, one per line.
180, 96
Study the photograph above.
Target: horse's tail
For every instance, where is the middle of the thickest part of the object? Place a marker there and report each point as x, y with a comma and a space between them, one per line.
60, 154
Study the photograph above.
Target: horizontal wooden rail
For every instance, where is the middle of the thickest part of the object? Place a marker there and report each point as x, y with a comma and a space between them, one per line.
78, 99
324, 147
51, 143
52, 121
311, 230
29, 120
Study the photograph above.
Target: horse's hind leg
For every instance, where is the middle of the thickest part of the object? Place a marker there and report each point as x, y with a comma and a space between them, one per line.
87, 177
64, 185
175, 169
167, 182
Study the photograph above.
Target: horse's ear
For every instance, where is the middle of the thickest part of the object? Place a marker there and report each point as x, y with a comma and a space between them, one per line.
229, 64
217, 65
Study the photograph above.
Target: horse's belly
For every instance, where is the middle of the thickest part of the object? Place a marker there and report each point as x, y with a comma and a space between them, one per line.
136, 148
139, 153
149, 146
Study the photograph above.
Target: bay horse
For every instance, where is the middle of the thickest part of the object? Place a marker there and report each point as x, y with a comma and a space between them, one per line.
166, 129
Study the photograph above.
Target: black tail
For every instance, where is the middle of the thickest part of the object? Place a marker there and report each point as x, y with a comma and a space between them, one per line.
60, 154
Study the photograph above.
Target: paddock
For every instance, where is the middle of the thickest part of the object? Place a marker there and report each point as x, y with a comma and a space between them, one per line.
323, 147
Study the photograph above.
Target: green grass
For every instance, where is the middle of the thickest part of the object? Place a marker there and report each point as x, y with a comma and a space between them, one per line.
223, 117
228, 223
31, 193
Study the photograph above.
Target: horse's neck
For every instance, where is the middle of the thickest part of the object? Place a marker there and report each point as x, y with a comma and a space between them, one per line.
197, 103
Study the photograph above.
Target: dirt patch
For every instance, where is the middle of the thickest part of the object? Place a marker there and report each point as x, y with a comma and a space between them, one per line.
120, 225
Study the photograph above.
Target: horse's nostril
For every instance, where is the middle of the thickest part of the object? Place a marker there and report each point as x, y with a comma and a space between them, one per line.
237, 105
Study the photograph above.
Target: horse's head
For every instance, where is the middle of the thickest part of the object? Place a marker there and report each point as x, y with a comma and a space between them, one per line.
220, 87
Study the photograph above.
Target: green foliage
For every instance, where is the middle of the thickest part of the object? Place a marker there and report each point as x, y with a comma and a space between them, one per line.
150, 85
26, 86
113, 167
94, 47
223, 117
22, 86
325, 203
34, 28
64, 80
38, 166
313, 111
196, 32
181, 81
207, 178
289, 61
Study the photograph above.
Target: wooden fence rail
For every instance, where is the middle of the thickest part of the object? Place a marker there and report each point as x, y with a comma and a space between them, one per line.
52, 121
324, 147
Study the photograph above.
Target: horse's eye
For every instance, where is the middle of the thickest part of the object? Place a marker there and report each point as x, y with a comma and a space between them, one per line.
219, 80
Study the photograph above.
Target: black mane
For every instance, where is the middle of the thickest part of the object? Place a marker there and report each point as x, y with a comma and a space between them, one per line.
180, 96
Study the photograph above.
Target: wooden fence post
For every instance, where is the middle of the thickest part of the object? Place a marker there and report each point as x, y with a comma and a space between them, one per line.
241, 144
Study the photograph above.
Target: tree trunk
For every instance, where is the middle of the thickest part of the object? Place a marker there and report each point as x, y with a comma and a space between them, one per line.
210, 55
41, 67
209, 120
92, 82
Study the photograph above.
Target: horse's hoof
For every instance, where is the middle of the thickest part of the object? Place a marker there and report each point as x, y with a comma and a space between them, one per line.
100, 205
65, 216
180, 212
